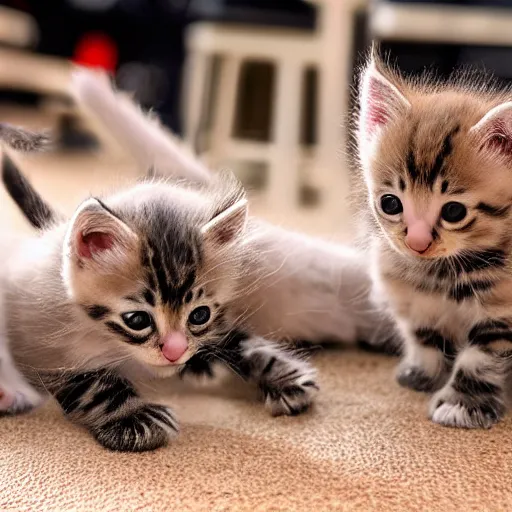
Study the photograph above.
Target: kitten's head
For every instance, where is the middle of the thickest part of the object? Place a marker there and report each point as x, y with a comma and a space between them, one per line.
437, 163
154, 270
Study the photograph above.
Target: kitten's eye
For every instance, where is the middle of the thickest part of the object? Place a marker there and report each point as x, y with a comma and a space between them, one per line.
137, 320
391, 205
453, 212
200, 315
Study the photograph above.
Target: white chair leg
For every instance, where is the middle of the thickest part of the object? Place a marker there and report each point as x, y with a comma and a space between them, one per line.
196, 84
283, 173
224, 109
331, 168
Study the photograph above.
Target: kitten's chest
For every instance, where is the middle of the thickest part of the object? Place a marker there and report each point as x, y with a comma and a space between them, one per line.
416, 308
423, 309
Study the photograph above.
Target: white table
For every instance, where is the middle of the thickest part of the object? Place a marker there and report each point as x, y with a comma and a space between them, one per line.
460, 24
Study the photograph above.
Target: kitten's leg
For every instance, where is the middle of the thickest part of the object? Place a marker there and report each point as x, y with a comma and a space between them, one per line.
428, 356
110, 408
200, 367
287, 382
16, 394
474, 397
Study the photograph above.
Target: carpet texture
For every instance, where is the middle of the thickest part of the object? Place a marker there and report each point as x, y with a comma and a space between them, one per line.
367, 445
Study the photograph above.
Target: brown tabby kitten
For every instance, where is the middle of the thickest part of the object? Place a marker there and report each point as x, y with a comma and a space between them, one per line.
140, 284
436, 160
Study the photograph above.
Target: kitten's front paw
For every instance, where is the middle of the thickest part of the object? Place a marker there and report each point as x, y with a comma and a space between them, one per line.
415, 378
289, 387
15, 402
147, 428
453, 409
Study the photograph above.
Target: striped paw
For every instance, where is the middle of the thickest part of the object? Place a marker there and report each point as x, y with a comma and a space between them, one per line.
415, 378
147, 428
453, 409
288, 386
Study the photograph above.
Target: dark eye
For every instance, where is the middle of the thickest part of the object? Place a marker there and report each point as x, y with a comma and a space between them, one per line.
137, 320
453, 212
199, 316
391, 205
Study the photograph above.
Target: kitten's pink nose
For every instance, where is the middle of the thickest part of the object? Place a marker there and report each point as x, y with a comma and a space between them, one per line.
419, 236
174, 345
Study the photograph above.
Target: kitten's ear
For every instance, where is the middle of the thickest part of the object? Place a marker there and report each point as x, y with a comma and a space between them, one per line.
494, 130
96, 238
228, 224
380, 101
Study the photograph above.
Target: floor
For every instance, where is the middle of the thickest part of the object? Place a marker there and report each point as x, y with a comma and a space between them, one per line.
366, 446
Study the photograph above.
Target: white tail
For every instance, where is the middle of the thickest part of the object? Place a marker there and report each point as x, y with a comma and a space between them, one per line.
139, 133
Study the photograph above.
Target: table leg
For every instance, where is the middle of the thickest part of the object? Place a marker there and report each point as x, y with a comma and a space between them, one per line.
283, 173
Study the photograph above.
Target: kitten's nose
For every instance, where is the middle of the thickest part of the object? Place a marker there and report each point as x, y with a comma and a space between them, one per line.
174, 345
419, 236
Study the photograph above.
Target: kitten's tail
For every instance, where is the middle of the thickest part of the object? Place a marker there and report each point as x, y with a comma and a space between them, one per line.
23, 140
32, 205
141, 134
36, 210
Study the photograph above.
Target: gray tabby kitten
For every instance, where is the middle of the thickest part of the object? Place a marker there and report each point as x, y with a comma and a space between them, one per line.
307, 288
284, 285
141, 284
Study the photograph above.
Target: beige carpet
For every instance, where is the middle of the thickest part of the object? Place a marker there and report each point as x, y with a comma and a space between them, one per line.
366, 446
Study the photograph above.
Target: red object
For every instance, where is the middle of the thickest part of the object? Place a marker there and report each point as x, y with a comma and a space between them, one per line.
96, 50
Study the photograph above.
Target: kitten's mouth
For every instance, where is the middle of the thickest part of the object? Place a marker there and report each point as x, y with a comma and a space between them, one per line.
182, 359
163, 362
428, 252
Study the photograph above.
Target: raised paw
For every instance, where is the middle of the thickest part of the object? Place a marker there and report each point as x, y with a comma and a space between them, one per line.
288, 386
413, 377
453, 409
147, 428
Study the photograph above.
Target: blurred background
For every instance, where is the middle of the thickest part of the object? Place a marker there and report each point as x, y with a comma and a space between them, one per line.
262, 87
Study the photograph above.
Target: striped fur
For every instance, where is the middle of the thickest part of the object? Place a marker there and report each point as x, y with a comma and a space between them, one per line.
111, 408
292, 286
430, 144
155, 252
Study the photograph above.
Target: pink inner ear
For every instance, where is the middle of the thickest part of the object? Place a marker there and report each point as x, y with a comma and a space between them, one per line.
380, 101
93, 243
498, 137
377, 113
498, 142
